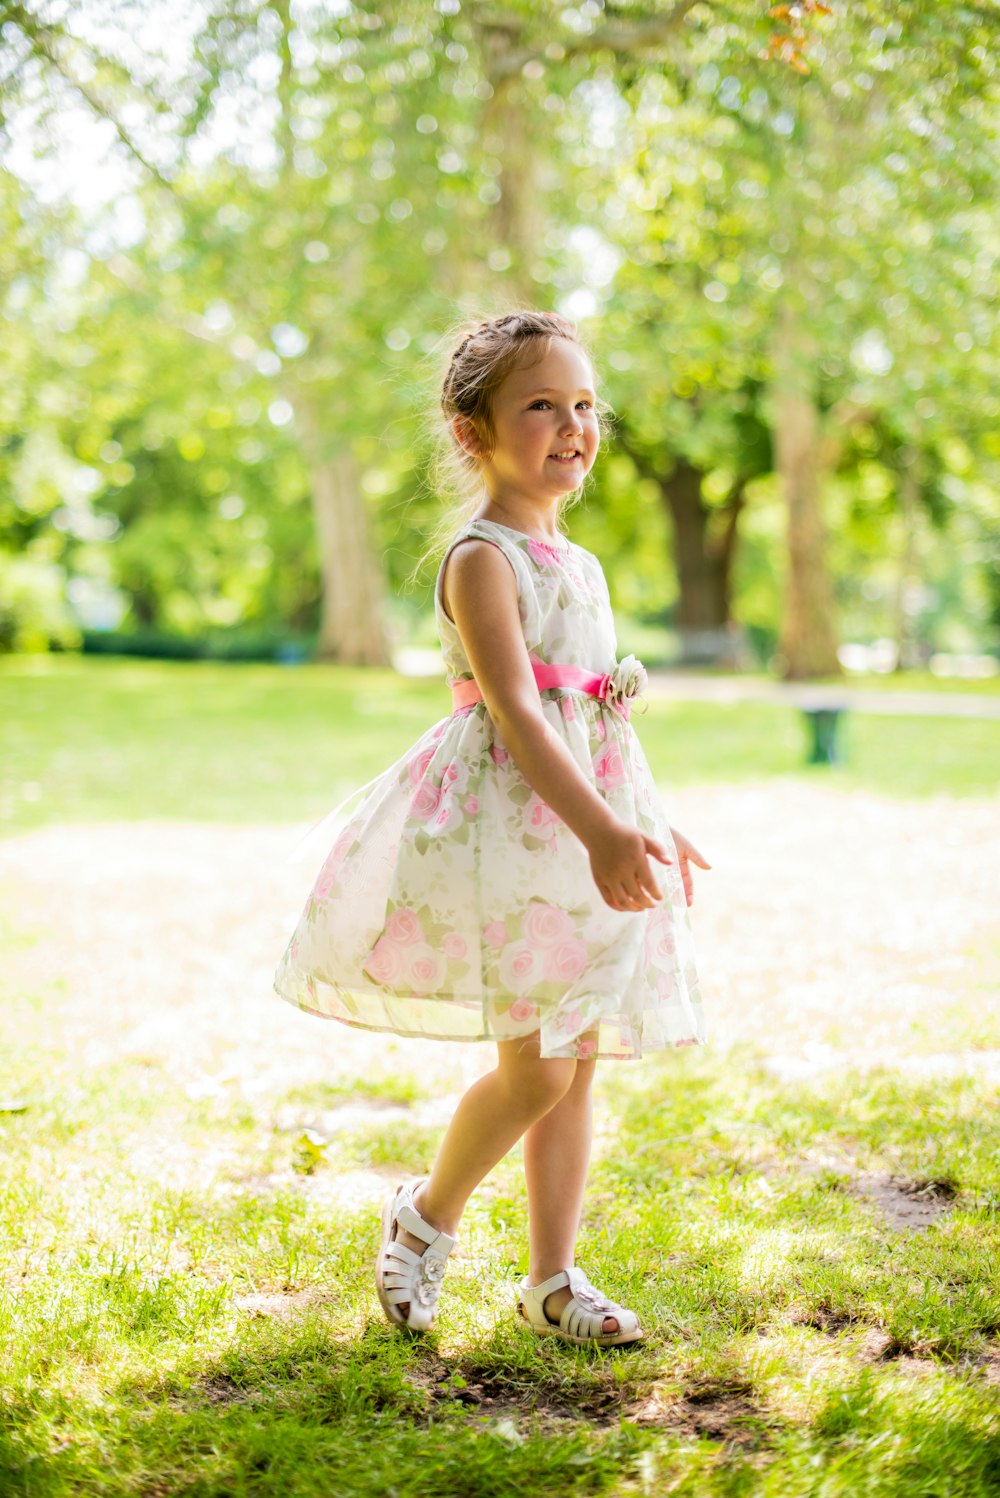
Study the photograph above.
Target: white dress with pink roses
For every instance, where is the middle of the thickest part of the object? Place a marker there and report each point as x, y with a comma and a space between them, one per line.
455, 904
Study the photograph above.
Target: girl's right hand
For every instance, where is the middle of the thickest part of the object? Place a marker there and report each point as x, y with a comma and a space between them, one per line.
619, 862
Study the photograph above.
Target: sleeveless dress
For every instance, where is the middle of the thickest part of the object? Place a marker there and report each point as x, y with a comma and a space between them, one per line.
455, 904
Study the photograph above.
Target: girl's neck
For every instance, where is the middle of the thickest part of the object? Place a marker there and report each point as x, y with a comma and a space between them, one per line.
539, 524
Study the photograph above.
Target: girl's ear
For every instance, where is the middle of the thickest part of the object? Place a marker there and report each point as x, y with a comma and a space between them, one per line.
466, 435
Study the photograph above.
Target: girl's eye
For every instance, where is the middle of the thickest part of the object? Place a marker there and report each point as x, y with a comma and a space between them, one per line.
545, 403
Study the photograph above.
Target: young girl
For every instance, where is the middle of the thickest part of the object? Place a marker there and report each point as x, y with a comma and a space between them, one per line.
496, 884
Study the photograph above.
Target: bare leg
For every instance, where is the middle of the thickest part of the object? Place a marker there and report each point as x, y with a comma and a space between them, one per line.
487, 1123
556, 1155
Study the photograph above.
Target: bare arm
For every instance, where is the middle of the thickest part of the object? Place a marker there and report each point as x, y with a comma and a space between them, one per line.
479, 591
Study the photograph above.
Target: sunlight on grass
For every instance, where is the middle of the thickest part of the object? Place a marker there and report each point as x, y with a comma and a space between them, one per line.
96, 739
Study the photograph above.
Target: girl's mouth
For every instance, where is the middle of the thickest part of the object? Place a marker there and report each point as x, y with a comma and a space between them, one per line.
567, 457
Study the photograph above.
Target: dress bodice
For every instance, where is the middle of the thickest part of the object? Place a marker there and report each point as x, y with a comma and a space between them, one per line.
563, 601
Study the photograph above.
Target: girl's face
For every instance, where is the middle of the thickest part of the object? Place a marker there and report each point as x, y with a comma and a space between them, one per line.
540, 412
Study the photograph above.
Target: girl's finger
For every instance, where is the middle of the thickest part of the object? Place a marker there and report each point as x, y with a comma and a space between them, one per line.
698, 858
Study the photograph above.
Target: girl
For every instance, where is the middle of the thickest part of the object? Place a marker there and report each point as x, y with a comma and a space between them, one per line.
495, 884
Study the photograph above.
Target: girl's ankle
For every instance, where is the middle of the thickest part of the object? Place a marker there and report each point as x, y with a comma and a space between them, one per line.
435, 1220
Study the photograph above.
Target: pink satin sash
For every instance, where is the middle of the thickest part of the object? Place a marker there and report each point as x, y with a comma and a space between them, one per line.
465, 693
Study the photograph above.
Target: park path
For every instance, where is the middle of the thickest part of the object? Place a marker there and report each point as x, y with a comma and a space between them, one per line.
835, 926
703, 686
681, 686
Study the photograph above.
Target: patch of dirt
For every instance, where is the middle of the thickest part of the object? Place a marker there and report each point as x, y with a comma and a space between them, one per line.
265, 1305
728, 1412
906, 1205
831, 1323
220, 1389
879, 1347
497, 1393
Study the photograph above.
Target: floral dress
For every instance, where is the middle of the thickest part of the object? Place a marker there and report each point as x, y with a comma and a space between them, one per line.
456, 904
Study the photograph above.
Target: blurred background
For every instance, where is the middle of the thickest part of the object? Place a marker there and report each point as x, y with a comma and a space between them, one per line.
234, 235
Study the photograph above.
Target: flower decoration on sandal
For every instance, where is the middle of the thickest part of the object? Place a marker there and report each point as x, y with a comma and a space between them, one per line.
620, 686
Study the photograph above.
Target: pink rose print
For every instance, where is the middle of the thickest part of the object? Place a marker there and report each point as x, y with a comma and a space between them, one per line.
666, 945
567, 709
328, 873
417, 766
664, 985
454, 945
495, 934
293, 950
586, 1048
426, 968
448, 815
435, 733
609, 767
565, 963
546, 556
386, 964
546, 925
523, 1009
403, 927
571, 1021
426, 802
471, 805
500, 756
520, 967
455, 775
540, 817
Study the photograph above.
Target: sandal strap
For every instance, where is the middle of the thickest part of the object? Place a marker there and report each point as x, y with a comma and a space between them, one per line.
411, 1221
584, 1314
408, 1276
554, 1282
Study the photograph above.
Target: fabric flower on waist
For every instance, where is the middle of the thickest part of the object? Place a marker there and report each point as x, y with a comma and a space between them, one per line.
620, 686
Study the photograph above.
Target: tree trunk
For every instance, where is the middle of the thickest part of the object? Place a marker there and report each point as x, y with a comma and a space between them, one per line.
708, 635
704, 547
808, 644
517, 218
908, 580
352, 625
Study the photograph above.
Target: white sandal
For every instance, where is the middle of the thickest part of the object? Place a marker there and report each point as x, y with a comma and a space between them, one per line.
403, 1275
582, 1318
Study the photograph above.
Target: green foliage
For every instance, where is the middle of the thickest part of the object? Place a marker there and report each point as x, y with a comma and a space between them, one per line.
169, 404
34, 615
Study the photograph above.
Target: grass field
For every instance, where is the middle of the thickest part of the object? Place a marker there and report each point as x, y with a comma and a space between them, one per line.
92, 738
804, 1213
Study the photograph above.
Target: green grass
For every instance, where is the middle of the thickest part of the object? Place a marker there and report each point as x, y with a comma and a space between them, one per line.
92, 739
186, 1301
797, 1344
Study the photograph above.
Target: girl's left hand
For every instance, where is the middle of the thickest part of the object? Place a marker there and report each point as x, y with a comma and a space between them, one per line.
688, 854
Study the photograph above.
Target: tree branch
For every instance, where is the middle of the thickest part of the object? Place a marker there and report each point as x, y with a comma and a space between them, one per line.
43, 40
616, 36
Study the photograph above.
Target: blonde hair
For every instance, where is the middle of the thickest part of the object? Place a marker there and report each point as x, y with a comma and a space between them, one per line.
483, 353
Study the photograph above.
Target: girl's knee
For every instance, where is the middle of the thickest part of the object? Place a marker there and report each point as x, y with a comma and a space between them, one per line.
532, 1081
